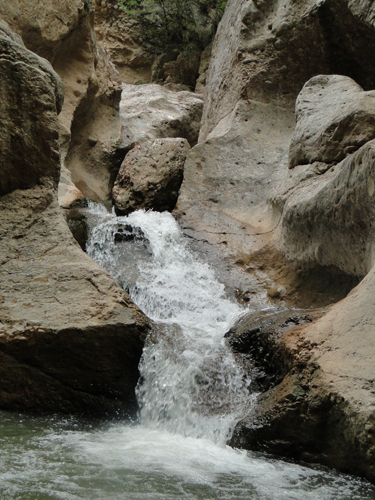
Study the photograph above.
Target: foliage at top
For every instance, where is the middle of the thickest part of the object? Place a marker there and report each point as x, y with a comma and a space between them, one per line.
170, 22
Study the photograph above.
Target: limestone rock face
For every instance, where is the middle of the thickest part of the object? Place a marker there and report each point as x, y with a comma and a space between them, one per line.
335, 117
70, 337
320, 405
25, 74
121, 38
262, 55
329, 217
240, 200
63, 33
150, 176
266, 51
151, 112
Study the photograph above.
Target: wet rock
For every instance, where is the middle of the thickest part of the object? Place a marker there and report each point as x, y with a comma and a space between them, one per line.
151, 111
335, 117
77, 222
150, 176
70, 337
320, 405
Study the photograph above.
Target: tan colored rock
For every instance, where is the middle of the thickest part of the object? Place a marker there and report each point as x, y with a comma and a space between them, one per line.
322, 405
328, 218
29, 149
121, 38
63, 33
262, 55
150, 176
266, 51
68, 193
151, 112
70, 337
335, 117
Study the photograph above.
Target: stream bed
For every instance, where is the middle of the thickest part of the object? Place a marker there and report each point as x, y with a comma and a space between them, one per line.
191, 393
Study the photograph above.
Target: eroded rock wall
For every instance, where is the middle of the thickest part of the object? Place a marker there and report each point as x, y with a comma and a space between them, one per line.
63, 33
286, 203
70, 337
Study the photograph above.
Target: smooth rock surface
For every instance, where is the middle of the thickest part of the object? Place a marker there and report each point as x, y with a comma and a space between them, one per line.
322, 407
63, 33
70, 337
26, 76
150, 176
335, 117
151, 112
328, 218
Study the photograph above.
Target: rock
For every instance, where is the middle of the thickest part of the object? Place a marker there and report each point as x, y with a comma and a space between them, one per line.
29, 150
151, 112
68, 193
240, 201
335, 117
322, 407
228, 182
203, 69
121, 37
236, 180
266, 51
183, 70
70, 337
150, 176
328, 219
64, 34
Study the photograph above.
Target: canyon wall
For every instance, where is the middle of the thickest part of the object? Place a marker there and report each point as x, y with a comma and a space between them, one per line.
70, 338
281, 186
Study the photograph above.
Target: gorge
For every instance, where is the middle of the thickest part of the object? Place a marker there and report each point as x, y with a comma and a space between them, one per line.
254, 313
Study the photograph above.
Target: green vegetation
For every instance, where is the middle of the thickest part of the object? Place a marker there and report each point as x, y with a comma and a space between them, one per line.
175, 22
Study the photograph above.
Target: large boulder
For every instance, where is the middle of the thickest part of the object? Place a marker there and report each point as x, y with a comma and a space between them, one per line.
329, 218
335, 117
70, 337
150, 176
63, 33
319, 405
151, 112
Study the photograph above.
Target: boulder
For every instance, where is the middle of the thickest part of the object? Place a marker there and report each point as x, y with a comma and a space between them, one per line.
328, 218
70, 337
335, 117
319, 405
63, 33
150, 176
151, 112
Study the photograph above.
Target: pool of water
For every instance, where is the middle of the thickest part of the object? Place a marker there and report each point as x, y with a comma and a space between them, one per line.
70, 459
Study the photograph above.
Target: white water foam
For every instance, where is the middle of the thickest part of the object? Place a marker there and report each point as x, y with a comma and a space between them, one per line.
190, 383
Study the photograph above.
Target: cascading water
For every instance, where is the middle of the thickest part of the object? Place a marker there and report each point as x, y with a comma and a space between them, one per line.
190, 383
190, 394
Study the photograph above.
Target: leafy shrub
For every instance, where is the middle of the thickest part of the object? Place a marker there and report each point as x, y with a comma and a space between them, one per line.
170, 22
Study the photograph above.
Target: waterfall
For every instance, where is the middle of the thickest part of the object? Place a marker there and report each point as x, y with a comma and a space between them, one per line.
190, 383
